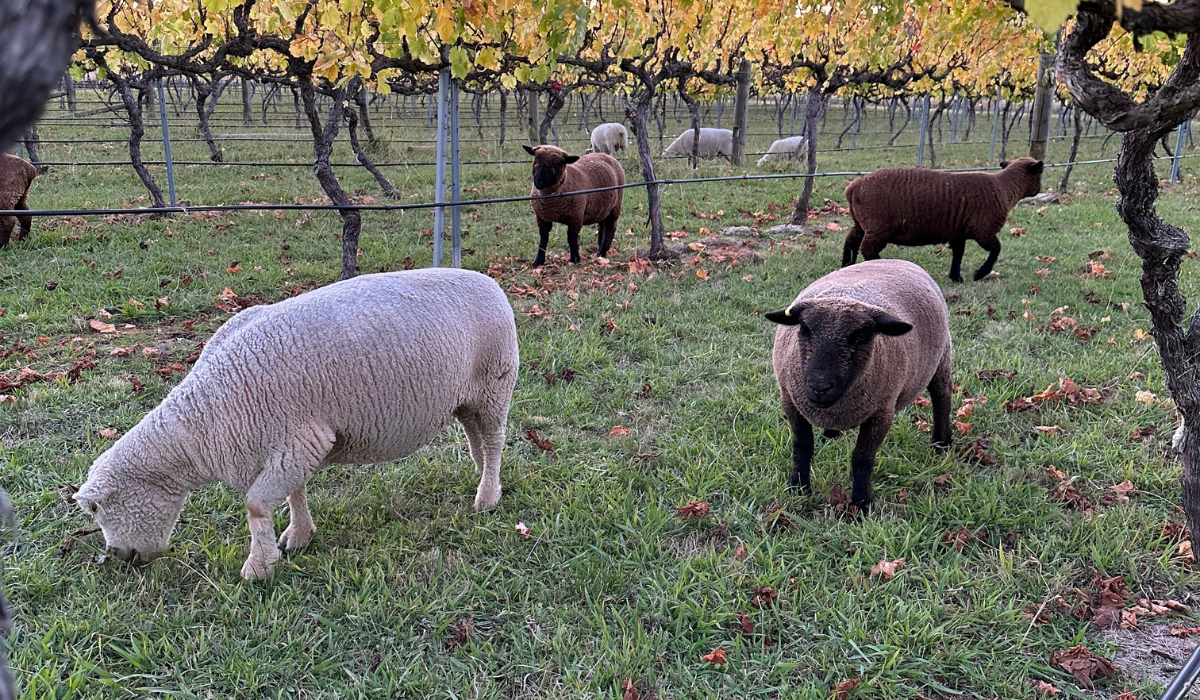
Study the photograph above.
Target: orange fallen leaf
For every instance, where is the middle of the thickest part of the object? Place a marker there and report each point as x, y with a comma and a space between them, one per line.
702, 274
1048, 430
887, 569
628, 692
101, 326
1139, 334
695, 509
618, 431
1047, 689
136, 304
121, 352
842, 690
716, 657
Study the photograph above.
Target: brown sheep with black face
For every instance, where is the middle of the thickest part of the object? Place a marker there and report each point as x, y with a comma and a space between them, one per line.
919, 206
15, 177
554, 172
853, 349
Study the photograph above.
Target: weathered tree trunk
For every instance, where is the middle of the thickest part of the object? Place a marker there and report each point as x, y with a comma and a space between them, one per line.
814, 109
133, 108
31, 139
299, 109
352, 127
694, 109
907, 119
323, 138
204, 110
554, 103
638, 113
1078, 114
247, 110
503, 112
363, 101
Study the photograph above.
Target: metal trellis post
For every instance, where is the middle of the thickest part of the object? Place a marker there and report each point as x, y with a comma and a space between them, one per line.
166, 138
455, 181
439, 214
924, 128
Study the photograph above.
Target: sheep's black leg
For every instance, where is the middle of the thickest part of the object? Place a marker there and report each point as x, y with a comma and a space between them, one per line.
862, 460
992, 246
802, 447
26, 221
573, 242
939, 392
604, 235
6, 226
544, 232
850, 247
957, 248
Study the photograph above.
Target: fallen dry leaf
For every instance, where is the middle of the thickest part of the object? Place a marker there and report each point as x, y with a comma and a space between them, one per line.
618, 431
1079, 661
108, 433
842, 690
745, 623
101, 326
460, 634
522, 530
538, 441
1185, 632
628, 692
959, 538
716, 657
1048, 430
1139, 334
1047, 689
887, 569
1146, 397
702, 274
695, 509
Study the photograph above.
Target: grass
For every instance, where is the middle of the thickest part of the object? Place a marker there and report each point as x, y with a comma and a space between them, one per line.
611, 584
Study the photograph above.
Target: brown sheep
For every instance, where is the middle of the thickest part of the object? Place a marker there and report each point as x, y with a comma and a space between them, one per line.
554, 171
853, 349
15, 177
917, 206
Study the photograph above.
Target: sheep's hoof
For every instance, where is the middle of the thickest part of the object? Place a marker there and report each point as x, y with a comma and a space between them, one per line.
485, 498
941, 445
294, 538
980, 274
956, 278
256, 570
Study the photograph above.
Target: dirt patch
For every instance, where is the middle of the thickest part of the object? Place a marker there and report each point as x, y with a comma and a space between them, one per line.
1150, 652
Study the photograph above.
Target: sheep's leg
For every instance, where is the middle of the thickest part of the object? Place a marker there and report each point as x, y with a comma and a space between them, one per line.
862, 460
287, 473
802, 447
26, 221
850, 248
992, 246
957, 248
573, 242
871, 248
6, 226
605, 233
300, 528
485, 431
939, 393
544, 234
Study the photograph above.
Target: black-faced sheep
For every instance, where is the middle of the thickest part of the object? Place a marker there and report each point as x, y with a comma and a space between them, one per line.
713, 142
918, 206
609, 138
556, 172
15, 177
853, 349
362, 371
783, 149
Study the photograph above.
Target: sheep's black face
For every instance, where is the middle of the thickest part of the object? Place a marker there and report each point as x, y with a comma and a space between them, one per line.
549, 165
836, 341
1033, 169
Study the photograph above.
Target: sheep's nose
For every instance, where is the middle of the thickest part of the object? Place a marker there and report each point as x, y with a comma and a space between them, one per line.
821, 385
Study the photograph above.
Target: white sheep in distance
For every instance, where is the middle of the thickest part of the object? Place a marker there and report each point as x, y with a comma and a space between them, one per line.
713, 142
362, 371
609, 138
783, 149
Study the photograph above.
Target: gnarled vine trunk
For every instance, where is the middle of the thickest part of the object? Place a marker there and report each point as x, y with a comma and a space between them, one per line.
638, 113
323, 138
814, 109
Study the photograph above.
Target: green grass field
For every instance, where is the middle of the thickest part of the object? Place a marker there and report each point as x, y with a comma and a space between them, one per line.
611, 583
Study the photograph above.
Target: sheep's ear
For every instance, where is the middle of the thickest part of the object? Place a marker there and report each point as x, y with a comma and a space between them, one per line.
572, 159
784, 317
890, 325
527, 148
1003, 163
1037, 168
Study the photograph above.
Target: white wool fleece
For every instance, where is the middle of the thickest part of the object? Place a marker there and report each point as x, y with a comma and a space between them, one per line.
361, 371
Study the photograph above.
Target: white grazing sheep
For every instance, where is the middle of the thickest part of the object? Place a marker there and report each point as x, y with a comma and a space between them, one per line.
783, 149
361, 371
853, 349
609, 138
713, 142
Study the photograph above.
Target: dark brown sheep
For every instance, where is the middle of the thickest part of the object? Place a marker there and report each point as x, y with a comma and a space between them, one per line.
918, 206
15, 177
855, 348
554, 171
